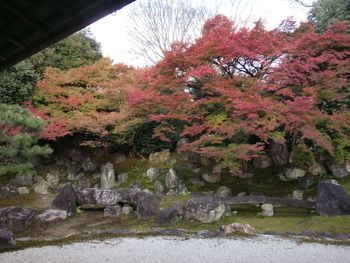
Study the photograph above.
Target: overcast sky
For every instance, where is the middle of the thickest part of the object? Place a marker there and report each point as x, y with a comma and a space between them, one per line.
112, 32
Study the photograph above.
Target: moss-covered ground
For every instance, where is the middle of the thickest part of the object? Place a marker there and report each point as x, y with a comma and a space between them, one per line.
92, 224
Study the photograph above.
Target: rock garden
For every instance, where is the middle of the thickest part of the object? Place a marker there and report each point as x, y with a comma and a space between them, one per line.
85, 194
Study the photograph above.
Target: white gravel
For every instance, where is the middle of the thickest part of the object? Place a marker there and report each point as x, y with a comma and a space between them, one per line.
171, 249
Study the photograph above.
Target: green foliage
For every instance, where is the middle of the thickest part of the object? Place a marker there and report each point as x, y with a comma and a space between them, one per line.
144, 142
342, 149
19, 135
17, 83
302, 156
78, 50
325, 12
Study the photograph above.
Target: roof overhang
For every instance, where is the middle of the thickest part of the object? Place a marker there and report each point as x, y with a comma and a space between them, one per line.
28, 26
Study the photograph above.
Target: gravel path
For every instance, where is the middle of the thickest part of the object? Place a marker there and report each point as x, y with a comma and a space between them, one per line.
171, 249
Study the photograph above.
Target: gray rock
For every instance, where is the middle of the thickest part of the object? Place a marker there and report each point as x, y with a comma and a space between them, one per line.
242, 194
237, 227
147, 191
182, 190
23, 190
158, 188
127, 209
262, 162
41, 188
7, 240
8, 191
331, 199
135, 185
197, 170
23, 179
267, 210
223, 191
118, 157
317, 169
338, 170
112, 211
298, 194
85, 182
228, 210
122, 178
172, 179
290, 174
107, 176
16, 218
305, 182
197, 182
153, 173
245, 175
147, 205
170, 215
66, 200
161, 157
53, 181
279, 153
74, 171
204, 209
88, 164
52, 215
347, 166
211, 178
76, 155
107, 197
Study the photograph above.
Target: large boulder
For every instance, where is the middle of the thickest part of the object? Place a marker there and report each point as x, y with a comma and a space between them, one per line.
331, 199
106, 197
147, 205
66, 200
16, 218
107, 176
172, 179
279, 153
170, 215
204, 209
8, 191
7, 240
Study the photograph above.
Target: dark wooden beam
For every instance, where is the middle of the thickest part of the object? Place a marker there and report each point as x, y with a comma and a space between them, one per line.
61, 7
15, 10
12, 40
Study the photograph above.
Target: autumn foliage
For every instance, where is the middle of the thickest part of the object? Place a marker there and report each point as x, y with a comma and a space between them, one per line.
230, 94
234, 91
88, 100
